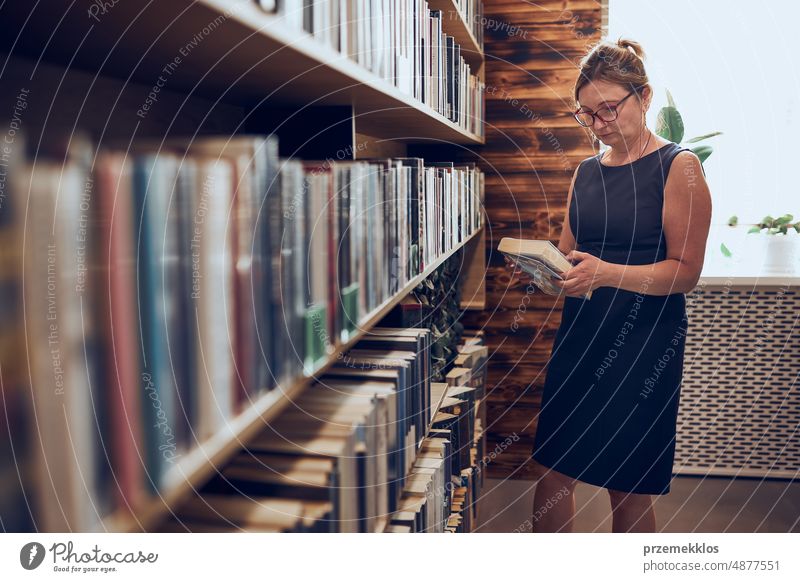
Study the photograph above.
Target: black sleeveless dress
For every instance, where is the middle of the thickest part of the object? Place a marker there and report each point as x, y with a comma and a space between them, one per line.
610, 401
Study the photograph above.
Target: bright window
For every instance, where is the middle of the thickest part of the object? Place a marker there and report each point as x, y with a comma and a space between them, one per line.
730, 66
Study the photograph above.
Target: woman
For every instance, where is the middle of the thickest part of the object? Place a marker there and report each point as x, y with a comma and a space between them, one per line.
638, 219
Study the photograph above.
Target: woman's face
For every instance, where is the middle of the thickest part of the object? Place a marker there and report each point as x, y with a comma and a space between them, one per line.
628, 125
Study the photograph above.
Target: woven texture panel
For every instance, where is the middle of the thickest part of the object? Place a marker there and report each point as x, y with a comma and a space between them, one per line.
740, 400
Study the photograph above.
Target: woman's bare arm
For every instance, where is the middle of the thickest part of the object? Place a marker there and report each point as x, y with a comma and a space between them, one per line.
686, 222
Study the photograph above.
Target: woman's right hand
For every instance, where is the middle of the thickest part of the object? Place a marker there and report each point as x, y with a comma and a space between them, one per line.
523, 275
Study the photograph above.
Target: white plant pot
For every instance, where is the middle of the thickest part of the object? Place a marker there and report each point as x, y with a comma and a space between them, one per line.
781, 253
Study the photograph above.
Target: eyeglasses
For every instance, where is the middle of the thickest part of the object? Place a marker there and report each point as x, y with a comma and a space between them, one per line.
604, 114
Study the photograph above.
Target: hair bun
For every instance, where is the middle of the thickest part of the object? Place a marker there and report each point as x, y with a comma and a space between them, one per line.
632, 46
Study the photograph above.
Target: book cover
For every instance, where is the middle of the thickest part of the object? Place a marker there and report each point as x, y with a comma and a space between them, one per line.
541, 259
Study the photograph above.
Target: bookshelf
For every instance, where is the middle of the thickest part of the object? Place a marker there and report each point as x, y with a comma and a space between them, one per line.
250, 57
203, 461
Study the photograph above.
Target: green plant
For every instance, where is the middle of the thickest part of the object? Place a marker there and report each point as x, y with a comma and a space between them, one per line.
669, 125
780, 225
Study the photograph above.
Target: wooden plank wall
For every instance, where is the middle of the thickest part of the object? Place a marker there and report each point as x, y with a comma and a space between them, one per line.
533, 146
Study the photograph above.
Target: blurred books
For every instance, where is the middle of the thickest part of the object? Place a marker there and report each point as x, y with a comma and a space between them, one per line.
153, 293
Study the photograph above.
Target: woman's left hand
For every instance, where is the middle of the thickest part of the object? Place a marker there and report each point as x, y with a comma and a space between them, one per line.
587, 275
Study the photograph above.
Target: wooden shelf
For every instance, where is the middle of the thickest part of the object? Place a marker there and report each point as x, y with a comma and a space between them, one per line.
238, 55
455, 24
200, 464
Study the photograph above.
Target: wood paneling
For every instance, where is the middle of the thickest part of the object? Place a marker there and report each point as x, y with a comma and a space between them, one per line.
532, 148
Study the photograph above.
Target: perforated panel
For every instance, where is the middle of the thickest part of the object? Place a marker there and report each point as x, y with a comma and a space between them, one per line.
740, 400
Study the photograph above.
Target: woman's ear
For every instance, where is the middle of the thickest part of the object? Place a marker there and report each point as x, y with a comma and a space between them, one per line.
647, 97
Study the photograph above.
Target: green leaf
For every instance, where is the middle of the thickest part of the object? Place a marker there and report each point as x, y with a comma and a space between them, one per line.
754, 229
797, 226
669, 124
702, 137
733, 220
702, 152
785, 219
670, 100
725, 250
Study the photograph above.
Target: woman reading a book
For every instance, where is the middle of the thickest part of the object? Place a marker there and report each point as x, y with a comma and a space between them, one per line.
636, 229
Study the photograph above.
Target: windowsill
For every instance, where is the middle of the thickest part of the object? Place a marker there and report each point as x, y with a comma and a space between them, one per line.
749, 264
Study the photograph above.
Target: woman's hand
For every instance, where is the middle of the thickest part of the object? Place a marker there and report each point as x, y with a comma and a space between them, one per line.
523, 275
587, 275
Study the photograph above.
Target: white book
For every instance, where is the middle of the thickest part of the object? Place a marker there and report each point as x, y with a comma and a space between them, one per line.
290, 12
56, 316
214, 299
539, 258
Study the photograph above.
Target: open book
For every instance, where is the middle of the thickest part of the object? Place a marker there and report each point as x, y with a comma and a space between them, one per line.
541, 259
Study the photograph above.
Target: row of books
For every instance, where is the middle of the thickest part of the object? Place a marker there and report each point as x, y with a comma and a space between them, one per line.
345, 445
151, 294
401, 41
471, 11
447, 478
347, 458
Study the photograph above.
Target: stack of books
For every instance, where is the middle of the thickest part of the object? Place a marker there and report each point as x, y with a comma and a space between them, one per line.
168, 285
447, 476
342, 450
401, 41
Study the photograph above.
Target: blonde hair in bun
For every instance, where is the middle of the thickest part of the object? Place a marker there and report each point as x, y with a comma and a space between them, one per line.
632, 46
620, 62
